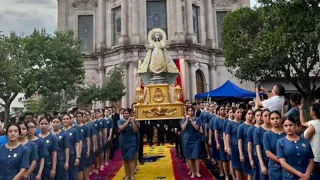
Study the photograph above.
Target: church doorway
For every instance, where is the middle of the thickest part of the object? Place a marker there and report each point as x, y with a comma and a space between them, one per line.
199, 82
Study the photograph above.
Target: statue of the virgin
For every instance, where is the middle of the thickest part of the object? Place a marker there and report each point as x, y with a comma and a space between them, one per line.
158, 66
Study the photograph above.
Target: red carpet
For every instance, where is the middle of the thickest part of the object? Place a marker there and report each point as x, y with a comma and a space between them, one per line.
111, 170
181, 171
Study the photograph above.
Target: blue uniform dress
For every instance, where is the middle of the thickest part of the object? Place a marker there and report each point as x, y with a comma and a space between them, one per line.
12, 161
218, 126
32, 151
92, 133
108, 124
256, 170
205, 118
128, 141
102, 144
242, 134
232, 129
42, 152
215, 152
51, 145
225, 124
191, 140
270, 140
98, 131
63, 144
258, 140
73, 137
297, 154
84, 134
3, 140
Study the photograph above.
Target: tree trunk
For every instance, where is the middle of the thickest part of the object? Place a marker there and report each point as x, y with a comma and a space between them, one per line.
7, 113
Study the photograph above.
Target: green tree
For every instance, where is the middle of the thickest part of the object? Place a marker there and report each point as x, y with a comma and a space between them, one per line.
39, 63
88, 94
113, 88
277, 40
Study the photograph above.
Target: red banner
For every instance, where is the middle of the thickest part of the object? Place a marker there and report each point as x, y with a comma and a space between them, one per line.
179, 81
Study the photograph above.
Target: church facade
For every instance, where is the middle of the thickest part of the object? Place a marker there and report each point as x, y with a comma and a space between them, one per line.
114, 33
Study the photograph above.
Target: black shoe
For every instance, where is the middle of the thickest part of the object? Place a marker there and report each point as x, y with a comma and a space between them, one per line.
141, 162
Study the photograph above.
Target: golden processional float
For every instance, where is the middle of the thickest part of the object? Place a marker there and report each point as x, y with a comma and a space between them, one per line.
160, 98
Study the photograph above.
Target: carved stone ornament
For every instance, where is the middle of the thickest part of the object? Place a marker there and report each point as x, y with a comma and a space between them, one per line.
84, 4
224, 2
159, 111
159, 96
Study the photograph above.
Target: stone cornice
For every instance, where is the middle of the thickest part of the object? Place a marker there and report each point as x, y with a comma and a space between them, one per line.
129, 48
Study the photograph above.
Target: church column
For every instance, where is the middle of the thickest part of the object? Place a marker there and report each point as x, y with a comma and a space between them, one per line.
102, 25
193, 80
123, 40
133, 67
101, 70
180, 34
62, 15
210, 40
135, 38
124, 100
191, 38
212, 76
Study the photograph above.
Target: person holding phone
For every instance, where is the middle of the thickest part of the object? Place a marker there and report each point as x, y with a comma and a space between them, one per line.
295, 101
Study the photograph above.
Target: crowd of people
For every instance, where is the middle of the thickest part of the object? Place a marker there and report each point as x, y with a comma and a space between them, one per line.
255, 140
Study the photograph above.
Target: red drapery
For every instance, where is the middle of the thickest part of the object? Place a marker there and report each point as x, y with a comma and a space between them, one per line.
179, 81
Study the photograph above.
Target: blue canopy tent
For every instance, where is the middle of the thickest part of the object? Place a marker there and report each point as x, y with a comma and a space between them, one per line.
227, 90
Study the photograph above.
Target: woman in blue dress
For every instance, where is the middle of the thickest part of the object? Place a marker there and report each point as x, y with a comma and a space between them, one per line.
32, 150
232, 143
225, 124
243, 144
42, 150
258, 142
214, 152
50, 161
14, 157
128, 142
295, 153
75, 151
85, 146
191, 127
63, 152
253, 158
218, 136
108, 124
270, 139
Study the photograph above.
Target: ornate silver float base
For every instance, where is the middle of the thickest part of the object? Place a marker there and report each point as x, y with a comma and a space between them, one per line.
158, 79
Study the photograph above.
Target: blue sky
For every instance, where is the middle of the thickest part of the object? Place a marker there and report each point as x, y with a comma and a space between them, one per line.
22, 16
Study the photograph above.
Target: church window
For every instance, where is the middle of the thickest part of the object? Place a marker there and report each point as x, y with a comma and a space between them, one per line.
157, 15
85, 32
196, 27
199, 82
116, 25
220, 16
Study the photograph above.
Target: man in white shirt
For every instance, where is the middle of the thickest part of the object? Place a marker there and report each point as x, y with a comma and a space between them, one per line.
275, 98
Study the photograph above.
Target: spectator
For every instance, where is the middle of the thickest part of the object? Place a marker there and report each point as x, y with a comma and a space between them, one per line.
295, 100
275, 98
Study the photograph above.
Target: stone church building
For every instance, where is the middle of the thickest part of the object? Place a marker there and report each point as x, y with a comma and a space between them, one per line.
114, 33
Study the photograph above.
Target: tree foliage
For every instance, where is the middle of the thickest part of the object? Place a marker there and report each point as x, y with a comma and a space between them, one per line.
112, 90
279, 39
39, 63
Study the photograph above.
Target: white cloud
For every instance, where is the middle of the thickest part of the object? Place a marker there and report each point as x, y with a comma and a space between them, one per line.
22, 16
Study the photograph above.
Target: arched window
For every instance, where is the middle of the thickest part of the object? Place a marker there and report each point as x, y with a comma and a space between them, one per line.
199, 82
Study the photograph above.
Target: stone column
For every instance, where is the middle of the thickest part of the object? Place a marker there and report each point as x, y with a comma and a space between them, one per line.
135, 38
101, 70
191, 38
124, 100
62, 15
212, 76
133, 67
123, 40
102, 25
193, 80
179, 25
210, 38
